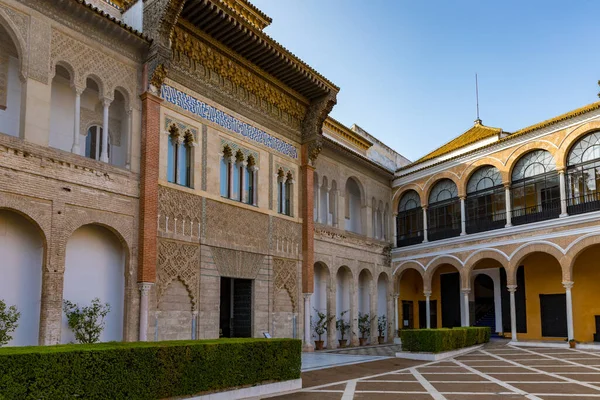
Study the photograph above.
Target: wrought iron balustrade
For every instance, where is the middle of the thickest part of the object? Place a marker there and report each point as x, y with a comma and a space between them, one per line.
583, 204
486, 222
539, 212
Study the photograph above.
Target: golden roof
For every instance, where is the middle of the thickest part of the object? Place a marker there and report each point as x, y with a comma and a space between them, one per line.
249, 12
346, 134
476, 133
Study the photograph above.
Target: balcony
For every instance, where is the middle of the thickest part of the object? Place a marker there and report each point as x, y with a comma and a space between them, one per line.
540, 212
486, 222
583, 204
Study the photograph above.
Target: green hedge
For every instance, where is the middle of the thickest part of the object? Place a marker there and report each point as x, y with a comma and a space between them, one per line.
440, 340
145, 370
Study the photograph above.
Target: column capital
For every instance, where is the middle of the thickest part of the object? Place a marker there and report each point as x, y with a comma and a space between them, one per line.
560, 170
129, 111
465, 290
106, 101
568, 284
396, 296
145, 287
511, 288
78, 89
462, 197
424, 207
506, 185
306, 295
427, 293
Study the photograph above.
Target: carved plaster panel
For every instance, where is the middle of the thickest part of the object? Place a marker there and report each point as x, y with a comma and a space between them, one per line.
236, 263
179, 212
286, 236
177, 260
285, 277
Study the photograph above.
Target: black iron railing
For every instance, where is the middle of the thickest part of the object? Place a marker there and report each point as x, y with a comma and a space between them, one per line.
583, 204
443, 231
409, 239
540, 212
485, 223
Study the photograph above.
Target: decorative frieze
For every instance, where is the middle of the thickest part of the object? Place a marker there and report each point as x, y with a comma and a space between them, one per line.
236, 263
285, 277
212, 114
181, 261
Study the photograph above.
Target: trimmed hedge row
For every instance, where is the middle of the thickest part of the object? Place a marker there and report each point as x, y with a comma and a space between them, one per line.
145, 370
444, 339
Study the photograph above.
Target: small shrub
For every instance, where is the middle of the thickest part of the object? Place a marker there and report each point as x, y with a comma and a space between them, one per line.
341, 325
87, 323
320, 326
443, 339
8, 322
364, 324
381, 325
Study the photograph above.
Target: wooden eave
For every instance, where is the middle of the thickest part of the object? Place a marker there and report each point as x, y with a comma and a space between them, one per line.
347, 134
223, 24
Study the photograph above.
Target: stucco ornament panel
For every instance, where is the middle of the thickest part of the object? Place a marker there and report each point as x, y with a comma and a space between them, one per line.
236, 263
286, 236
285, 277
19, 24
236, 227
87, 61
177, 260
179, 212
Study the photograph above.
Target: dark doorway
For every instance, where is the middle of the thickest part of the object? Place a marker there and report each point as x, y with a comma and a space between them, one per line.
432, 314
553, 310
485, 310
519, 301
236, 308
450, 284
407, 315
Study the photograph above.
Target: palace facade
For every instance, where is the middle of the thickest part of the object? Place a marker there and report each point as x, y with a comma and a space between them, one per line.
171, 159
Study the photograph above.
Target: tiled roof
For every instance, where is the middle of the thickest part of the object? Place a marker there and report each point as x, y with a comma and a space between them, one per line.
476, 133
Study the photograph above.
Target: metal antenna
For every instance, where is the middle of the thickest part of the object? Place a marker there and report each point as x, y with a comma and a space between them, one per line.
477, 96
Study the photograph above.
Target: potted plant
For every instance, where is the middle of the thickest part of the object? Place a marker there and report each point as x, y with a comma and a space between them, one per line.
364, 326
381, 325
342, 326
320, 327
572, 343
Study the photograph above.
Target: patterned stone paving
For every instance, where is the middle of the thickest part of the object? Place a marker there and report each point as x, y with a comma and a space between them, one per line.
498, 371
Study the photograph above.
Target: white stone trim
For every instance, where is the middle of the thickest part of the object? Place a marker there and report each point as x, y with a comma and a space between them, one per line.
254, 391
545, 344
436, 356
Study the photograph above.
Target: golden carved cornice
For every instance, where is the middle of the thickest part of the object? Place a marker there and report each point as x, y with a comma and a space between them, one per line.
346, 133
254, 80
250, 13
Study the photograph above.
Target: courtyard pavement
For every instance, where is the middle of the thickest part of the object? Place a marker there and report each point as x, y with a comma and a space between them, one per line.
497, 371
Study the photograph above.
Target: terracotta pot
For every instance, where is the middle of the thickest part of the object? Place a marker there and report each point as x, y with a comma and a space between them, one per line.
362, 341
381, 339
343, 343
572, 344
319, 344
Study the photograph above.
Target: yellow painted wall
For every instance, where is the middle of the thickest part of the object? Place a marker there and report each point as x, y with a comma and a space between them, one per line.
411, 289
586, 294
542, 276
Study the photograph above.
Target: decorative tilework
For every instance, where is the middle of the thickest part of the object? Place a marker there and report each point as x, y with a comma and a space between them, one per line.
235, 147
227, 121
204, 155
183, 127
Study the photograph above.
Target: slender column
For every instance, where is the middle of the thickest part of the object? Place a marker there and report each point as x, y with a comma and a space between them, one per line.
317, 205
76, 127
395, 224
463, 217
568, 285
396, 317
144, 290
513, 312
508, 205
231, 165
129, 137
104, 155
425, 224
334, 212
194, 324
563, 194
242, 168
255, 188
427, 308
327, 207
307, 342
466, 317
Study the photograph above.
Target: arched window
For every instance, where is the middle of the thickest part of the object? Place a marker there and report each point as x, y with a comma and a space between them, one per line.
281, 191
583, 175
444, 211
225, 171
238, 173
251, 178
289, 187
409, 222
534, 188
386, 222
485, 203
93, 143
179, 155
333, 203
353, 207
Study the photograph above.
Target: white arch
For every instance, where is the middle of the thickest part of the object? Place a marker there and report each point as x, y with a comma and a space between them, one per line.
406, 262
486, 249
443, 256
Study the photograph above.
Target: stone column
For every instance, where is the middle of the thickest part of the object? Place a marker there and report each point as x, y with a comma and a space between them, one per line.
427, 308
513, 312
563, 194
76, 126
241, 166
396, 317
129, 137
425, 224
395, 228
104, 155
308, 346
255, 188
144, 291
508, 205
51, 307
231, 166
317, 204
568, 285
463, 217
326, 207
466, 317
194, 324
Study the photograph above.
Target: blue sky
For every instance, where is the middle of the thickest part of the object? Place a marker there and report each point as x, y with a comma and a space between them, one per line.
406, 68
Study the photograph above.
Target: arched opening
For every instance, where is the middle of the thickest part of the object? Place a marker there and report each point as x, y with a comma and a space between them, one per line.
10, 86
583, 175
446, 291
484, 312
22, 252
62, 110
333, 204
364, 292
411, 307
118, 127
485, 203
174, 316
343, 294
382, 303
353, 206
409, 222
374, 219
586, 308
535, 191
319, 297
316, 197
541, 298
386, 222
444, 211
489, 297
95, 268
324, 203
